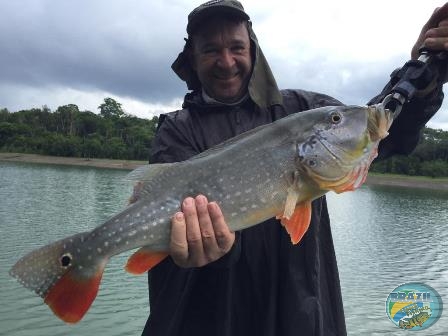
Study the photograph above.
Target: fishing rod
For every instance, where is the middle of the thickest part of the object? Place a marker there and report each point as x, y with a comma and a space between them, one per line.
415, 75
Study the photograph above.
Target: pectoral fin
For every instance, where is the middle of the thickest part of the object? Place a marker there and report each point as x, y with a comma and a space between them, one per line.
143, 260
291, 201
298, 223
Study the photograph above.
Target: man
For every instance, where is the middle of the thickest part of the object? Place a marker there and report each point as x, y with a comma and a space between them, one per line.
253, 282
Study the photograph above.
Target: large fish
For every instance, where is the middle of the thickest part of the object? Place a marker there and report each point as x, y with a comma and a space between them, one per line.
272, 170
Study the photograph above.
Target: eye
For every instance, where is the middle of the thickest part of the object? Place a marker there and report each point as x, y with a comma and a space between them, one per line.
335, 118
66, 260
312, 163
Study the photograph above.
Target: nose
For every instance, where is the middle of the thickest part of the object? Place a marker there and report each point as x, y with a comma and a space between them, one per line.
226, 59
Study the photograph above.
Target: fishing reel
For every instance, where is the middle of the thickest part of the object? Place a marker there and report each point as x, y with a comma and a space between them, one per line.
415, 76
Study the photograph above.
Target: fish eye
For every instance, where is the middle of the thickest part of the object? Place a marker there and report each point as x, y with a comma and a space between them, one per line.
66, 260
312, 163
335, 118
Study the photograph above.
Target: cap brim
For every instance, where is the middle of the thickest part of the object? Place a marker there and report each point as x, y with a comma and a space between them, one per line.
195, 22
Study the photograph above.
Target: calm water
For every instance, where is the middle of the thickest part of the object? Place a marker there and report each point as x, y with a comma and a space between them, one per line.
383, 236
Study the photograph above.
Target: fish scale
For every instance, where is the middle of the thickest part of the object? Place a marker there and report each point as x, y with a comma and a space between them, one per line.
274, 170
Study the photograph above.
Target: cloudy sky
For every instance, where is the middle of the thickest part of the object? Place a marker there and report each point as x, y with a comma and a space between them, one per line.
79, 52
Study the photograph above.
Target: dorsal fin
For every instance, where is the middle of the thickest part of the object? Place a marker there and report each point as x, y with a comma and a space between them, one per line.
148, 172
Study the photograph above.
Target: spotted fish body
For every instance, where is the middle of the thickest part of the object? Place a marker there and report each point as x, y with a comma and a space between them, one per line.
272, 170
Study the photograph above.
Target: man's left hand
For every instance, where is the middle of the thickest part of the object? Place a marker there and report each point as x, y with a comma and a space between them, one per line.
434, 34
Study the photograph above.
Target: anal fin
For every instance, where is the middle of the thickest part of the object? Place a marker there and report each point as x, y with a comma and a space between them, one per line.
299, 222
143, 260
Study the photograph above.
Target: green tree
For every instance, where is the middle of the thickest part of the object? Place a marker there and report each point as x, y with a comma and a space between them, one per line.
111, 108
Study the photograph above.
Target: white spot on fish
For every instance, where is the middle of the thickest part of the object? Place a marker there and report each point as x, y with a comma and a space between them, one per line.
254, 206
248, 191
234, 214
118, 240
132, 233
238, 193
99, 249
243, 209
106, 243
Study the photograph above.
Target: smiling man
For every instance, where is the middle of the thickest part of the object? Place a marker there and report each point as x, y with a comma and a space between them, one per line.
253, 282
221, 58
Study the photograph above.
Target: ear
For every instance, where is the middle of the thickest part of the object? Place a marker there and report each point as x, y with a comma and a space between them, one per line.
190, 55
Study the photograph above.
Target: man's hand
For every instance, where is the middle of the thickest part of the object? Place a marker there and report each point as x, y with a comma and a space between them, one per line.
434, 34
199, 234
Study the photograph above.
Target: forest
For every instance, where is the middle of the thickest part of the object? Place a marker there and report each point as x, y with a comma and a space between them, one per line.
69, 132
430, 157
114, 134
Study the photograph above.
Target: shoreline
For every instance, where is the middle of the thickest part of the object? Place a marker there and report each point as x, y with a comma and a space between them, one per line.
71, 161
372, 179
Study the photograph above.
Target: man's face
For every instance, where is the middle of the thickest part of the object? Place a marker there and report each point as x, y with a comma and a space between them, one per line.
222, 59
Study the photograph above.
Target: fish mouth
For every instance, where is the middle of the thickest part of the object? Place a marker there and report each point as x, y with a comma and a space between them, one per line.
379, 121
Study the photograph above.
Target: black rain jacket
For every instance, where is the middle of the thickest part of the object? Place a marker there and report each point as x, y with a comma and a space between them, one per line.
264, 286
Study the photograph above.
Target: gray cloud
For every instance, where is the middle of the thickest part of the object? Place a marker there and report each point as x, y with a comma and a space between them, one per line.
125, 48
93, 45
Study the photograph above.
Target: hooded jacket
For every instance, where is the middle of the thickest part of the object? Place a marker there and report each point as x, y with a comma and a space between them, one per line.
265, 285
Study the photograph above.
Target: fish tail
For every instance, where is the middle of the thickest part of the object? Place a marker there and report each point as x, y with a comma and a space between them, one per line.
67, 280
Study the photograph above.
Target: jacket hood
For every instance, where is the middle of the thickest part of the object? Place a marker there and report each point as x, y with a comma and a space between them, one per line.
262, 87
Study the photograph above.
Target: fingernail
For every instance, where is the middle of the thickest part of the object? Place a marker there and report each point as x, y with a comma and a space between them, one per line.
179, 216
201, 199
188, 201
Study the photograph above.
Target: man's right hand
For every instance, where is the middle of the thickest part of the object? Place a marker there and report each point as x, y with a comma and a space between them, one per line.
199, 234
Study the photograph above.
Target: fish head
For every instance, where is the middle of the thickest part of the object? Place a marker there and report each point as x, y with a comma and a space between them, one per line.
338, 152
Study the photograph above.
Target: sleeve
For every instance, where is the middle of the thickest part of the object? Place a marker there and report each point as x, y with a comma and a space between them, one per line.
404, 133
174, 142
171, 142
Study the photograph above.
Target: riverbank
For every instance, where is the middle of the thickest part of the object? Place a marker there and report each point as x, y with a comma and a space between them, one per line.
71, 161
372, 179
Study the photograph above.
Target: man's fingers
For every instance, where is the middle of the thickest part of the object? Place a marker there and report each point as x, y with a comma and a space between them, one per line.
207, 233
193, 233
224, 237
199, 234
178, 242
438, 15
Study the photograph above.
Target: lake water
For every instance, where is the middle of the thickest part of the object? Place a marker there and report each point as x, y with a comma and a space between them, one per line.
383, 236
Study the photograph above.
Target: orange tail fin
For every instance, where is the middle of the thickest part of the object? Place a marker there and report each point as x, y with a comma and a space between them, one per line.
72, 296
67, 281
143, 260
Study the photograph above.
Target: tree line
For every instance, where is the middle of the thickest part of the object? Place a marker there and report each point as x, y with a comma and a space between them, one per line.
114, 134
430, 157
70, 132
